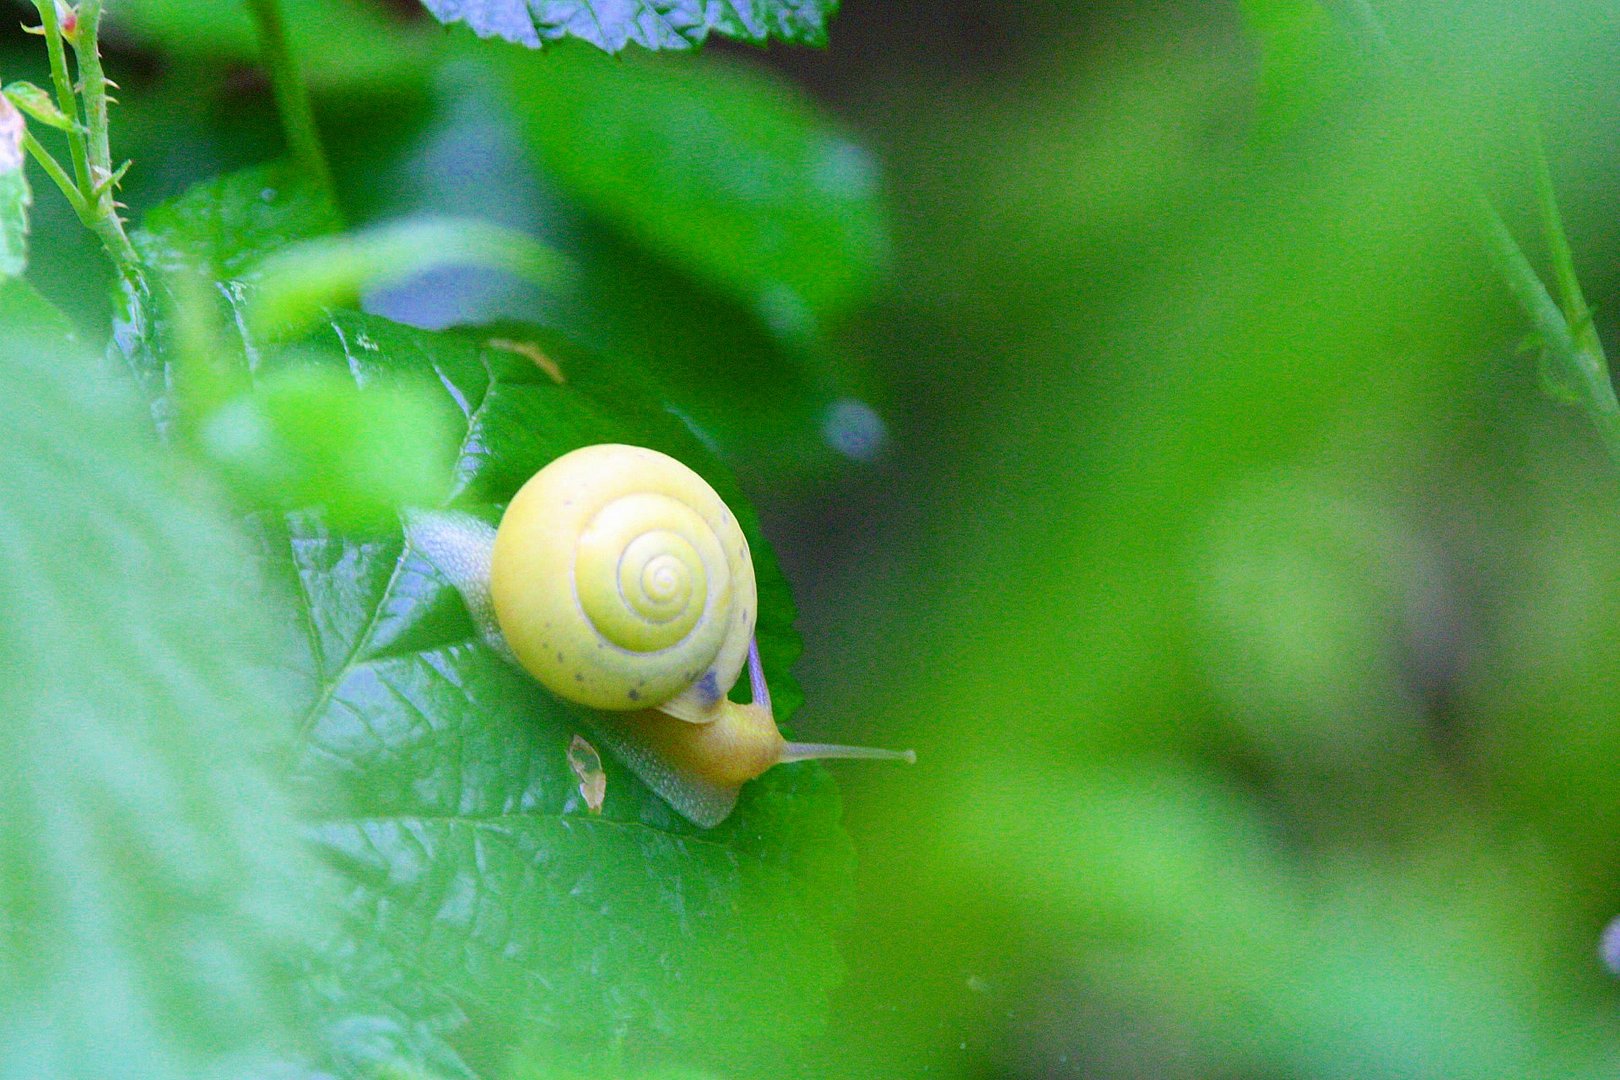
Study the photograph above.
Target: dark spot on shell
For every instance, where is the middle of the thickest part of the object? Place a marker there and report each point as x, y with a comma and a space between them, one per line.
559, 658
635, 695
579, 676
710, 686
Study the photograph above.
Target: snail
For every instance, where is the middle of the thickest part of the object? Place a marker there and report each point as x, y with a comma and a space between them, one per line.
622, 583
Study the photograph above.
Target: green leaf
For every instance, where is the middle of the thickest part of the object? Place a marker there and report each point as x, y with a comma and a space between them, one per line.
372, 1017
26, 316
306, 436
438, 773
154, 895
776, 416
781, 413
221, 229
299, 435
15, 197
38, 104
653, 24
296, 282
214, 233
717, 168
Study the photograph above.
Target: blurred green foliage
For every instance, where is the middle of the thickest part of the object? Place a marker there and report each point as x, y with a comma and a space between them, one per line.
1148, 445
1210, 599
305, 436
293, 284
155, 900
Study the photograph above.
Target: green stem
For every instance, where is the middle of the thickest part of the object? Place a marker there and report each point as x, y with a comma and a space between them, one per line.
94, 89
58, 175
66, 99
107, 224
1563, 258
1585, 368
1567, 334
292, 96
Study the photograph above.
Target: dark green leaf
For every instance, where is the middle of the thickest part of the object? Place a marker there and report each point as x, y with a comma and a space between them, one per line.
780, 413
721, 170
652, 24
771, 413
153, 896
439, 772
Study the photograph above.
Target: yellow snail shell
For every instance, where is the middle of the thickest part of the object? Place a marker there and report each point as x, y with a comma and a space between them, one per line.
622, 581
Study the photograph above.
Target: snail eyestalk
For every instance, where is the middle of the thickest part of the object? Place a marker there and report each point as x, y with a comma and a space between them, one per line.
822, 751
811, 751
760, 690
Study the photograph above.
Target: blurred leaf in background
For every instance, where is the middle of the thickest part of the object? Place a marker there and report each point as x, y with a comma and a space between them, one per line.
348, 45
156, 906
723, 231
1187, 636
1303, 59
722, 171
611, 25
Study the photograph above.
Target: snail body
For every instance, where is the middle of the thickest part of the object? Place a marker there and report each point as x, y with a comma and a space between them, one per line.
620, 581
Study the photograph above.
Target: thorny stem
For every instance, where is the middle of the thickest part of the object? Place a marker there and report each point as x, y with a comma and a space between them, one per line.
65, 96
103, 206
91, 190
292, 96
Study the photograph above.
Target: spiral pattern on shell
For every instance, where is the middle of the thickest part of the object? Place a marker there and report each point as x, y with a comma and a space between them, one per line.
622, 581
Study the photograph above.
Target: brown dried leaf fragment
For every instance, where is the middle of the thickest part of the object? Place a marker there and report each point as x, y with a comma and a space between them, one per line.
587, 766
533, 352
